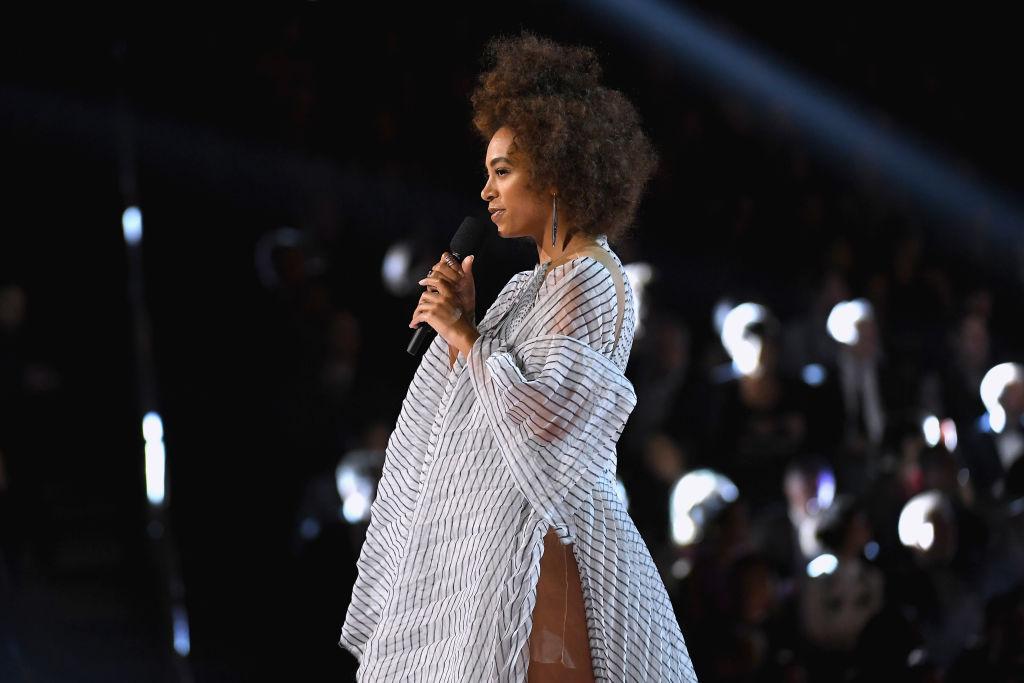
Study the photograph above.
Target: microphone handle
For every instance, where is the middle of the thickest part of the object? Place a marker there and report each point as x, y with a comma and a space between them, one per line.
419, 337
424, 332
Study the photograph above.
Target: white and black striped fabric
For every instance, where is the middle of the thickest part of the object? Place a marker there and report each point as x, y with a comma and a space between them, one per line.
484, 458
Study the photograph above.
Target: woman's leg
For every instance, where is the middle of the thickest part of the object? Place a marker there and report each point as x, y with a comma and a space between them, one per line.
559, 640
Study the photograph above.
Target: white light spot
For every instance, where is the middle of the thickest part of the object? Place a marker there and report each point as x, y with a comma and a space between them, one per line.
914, 528
692, 490
949, 438
156, 458
131, 225
932, 430
826, 492
684, 531
347, 481
992, 387
842, 321
182, 642
395, 270
814, 374
152, 427
743, 348
155, 470
356, 508
821, 565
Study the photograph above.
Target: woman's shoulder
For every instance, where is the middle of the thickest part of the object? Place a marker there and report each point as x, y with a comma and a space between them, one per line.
589, 272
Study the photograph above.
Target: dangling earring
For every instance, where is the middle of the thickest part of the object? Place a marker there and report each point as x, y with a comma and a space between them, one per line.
554, 218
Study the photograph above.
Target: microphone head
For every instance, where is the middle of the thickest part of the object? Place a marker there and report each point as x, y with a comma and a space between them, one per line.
468, 237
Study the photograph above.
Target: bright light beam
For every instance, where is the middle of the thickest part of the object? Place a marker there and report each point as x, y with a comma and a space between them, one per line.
839, 127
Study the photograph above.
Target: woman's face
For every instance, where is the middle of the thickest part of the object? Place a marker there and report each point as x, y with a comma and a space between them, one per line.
517, 210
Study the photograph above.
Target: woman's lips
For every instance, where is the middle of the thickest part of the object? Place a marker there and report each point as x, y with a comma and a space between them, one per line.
494, 216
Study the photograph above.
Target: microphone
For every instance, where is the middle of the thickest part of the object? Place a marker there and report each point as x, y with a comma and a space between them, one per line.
466, 241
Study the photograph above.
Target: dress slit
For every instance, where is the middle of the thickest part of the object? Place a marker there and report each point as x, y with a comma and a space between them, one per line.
559, 639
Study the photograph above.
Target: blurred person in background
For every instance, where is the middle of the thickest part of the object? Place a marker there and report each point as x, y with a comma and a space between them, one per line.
806, 340
839, 598
993, 443
942, 585
952, 390
759, 422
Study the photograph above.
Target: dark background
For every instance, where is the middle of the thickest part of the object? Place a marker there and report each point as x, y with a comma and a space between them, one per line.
357, 131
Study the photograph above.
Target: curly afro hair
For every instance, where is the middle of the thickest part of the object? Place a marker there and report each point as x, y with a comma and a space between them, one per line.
579, 136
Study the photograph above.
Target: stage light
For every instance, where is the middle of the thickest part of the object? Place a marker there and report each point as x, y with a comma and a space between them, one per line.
932, 430
742, 347
915, 529
696, 497
814, 375
156, 458
949, 438
822, 565
993, 384
395, 269
152, 427
357, 484
131, 225
182, 640
825, 492
356, 507
842, 321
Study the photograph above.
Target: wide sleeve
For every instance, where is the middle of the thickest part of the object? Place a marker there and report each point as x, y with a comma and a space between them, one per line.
391, 510
556, 403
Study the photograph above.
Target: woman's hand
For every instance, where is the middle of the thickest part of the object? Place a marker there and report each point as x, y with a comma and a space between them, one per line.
449, 303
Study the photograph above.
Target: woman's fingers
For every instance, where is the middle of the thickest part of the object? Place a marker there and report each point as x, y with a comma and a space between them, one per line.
440, 285
437, 314
442, 267
446, 296
453, 269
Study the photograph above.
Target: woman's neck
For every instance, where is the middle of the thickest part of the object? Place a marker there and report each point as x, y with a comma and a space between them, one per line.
576, 243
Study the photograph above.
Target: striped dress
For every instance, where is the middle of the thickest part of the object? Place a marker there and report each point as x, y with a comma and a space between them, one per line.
486, 456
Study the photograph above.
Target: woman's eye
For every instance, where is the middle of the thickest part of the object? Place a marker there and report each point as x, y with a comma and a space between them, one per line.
502, 171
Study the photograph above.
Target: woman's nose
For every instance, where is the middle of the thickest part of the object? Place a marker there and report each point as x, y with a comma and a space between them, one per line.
487, 194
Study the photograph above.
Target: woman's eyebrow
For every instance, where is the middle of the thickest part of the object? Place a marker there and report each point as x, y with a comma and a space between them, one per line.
496, 160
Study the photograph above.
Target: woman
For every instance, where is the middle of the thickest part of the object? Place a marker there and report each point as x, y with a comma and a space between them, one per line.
498, 549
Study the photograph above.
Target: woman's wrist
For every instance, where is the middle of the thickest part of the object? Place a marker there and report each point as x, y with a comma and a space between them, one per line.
465, 336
